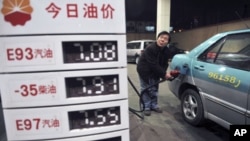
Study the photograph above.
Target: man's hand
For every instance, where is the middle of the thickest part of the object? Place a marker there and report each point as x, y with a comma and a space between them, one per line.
168, 76
172, 75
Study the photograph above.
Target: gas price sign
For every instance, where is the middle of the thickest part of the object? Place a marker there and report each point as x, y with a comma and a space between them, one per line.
66, 121
94, 118
60, 88
92, 85
90, 51
64, 83
63, 52
88, 16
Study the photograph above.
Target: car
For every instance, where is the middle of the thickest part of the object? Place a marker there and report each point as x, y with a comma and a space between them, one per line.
135, 48
214, 80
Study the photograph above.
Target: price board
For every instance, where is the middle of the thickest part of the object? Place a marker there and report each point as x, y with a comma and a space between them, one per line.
61, 17
63, 70
66, 121
65, 52
63, 88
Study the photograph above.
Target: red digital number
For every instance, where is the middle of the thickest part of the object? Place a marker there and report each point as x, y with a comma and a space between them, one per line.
19, 54
29, 89
27, 124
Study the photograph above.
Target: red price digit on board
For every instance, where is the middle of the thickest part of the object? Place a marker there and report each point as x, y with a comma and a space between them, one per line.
29, 90
19, 54
27, 124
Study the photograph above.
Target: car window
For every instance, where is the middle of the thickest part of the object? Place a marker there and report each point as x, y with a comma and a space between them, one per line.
133, 45
232, 51
246, 50
146, 44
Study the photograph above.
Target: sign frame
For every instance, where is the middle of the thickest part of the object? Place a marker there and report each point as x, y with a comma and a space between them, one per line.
11, 89
12, 46
61, 114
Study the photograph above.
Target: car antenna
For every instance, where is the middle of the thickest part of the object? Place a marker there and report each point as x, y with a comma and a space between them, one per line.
236, 12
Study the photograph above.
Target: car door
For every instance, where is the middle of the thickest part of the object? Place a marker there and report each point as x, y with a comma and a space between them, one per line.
222, 76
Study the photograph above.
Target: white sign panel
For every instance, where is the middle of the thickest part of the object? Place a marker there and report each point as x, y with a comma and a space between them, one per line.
61, 16
66, 121
122, 135
65, 52
63, 88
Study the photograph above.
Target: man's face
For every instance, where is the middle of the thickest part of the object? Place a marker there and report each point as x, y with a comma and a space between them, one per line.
162, 40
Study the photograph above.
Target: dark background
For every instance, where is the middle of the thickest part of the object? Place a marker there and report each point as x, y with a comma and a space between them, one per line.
187, 14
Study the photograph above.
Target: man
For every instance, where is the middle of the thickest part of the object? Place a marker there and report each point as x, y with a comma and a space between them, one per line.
152, 66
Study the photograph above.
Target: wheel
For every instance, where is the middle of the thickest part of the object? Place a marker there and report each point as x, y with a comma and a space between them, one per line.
192, 108
137, 59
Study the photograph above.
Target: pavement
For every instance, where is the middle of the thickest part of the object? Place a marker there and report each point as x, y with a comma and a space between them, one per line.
169, 125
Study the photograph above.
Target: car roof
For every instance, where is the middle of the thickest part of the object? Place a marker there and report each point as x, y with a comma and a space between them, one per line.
236, 31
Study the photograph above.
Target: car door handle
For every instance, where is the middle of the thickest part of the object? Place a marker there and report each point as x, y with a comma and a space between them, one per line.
201, 68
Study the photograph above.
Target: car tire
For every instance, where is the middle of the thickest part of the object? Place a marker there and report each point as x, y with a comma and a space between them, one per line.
192, 108
137, 59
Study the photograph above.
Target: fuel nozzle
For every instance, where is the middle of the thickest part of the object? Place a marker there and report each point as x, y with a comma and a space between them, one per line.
174, 74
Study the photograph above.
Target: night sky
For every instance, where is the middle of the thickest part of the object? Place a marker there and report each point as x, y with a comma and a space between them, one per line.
183, 12
140, 10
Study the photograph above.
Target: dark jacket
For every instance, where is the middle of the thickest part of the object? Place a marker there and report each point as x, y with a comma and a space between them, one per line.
153, 62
